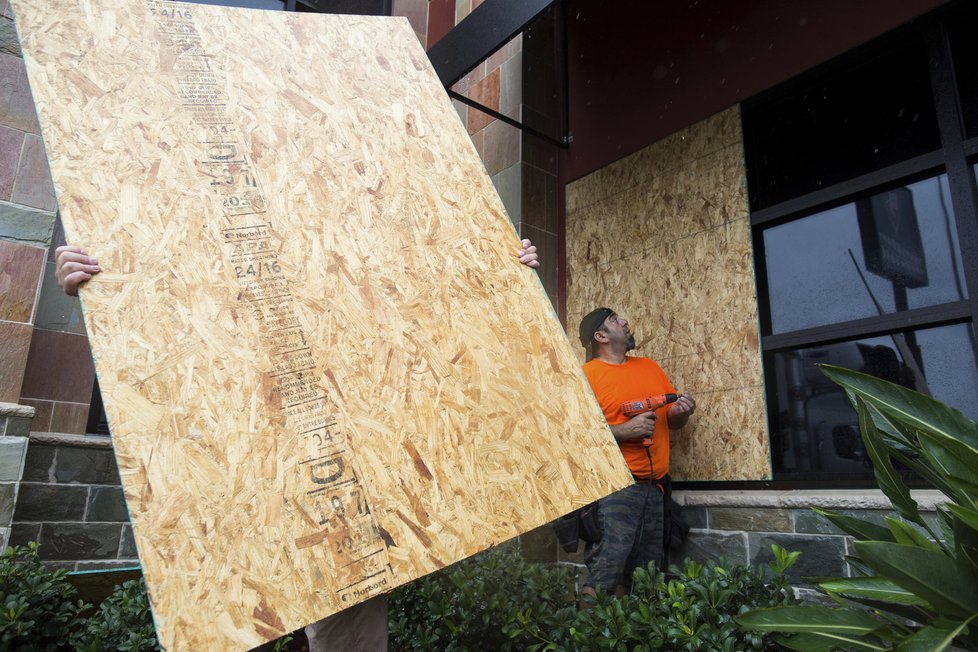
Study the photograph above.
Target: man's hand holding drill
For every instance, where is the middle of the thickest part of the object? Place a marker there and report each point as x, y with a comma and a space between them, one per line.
680, 411
638, 427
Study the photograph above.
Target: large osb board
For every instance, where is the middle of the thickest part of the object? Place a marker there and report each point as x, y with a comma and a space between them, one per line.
325, 372
663, 237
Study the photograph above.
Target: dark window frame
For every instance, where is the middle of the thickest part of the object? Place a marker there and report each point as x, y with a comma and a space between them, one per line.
955, 158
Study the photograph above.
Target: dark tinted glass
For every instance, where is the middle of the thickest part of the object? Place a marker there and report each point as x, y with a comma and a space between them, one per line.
892, 251
964, 49
813, 427
875, 112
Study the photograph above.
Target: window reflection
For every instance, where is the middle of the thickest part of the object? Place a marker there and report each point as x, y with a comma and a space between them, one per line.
890, 252
815, 428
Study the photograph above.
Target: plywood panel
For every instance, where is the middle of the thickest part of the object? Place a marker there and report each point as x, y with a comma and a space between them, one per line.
670, 249
325, 372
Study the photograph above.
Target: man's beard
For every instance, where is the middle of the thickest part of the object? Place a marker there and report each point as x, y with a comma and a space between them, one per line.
630, 343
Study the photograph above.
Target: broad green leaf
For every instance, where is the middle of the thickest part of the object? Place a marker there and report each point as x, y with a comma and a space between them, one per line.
876, 588
949, 586
965, 530
810, 618
910, 613
827, 643
907, 534
933, 639
914, 409
888, 479
859, 529
954, 459
920, 465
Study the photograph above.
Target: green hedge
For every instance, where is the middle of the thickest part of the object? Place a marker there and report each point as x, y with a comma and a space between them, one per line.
499, 601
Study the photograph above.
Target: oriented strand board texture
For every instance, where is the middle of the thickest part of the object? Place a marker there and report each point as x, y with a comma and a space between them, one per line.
325, 371
663, 237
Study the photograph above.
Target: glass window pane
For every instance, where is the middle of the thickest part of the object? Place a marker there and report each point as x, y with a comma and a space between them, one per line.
890, 252
813, 427
877, 111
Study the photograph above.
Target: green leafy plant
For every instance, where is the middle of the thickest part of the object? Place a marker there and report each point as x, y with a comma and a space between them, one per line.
499, 601
465, 606
692, 608
38, 607
915, 589
122, 622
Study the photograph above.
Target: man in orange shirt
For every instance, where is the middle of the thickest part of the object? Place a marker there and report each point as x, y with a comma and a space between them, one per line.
632, 520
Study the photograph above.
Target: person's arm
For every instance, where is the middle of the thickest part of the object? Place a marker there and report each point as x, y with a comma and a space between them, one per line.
678, 415
638, 427
527, 253
73, 266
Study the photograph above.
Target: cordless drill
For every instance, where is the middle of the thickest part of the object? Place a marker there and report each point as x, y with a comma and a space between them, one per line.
649, 404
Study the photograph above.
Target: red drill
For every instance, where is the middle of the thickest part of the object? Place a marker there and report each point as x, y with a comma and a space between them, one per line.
648, 404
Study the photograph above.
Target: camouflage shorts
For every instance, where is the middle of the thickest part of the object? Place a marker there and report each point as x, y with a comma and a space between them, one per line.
631, 536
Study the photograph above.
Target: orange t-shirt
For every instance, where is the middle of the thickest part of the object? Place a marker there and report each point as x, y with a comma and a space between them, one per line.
636, 379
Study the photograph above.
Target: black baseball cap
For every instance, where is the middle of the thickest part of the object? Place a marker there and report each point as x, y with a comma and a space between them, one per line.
591, 323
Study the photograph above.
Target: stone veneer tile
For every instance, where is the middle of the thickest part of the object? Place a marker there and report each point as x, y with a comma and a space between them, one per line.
33, 186
441, 20
16, 103
821, 556
60, 541
11, 144
107, 504
23, 533
14, 346
50, 502
479, 142
85, 466
17, 426
11, 458
540, 154
462, 9
511, 86
706, 545
9, 43
20, 270
59, 368
462, 110
695, 517
486, 93
25, 224
534, 193
70, 418
127, 544
416, 11
39, 463
502, 147
5, 8
506, 53
508, 184
42, 415
56, 311
753, 520
7, 491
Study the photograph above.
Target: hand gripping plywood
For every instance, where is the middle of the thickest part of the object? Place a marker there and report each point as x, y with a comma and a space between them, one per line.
325, 371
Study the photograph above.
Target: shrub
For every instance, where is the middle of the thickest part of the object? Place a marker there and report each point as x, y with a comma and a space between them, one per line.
916, 589
498, 601
122, 622
37, 605
465, 606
